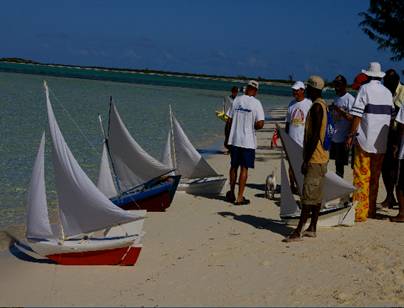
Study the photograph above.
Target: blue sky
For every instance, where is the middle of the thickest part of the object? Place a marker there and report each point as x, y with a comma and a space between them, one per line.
270, 38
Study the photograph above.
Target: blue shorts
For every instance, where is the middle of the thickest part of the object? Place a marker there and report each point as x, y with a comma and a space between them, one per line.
242, 157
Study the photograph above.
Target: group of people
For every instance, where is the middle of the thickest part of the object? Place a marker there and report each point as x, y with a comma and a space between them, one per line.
370, 126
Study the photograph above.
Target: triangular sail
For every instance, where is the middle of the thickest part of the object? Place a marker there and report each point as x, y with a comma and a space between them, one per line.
334, 186
132, 164
167, 157
105, 181
83, 207
189, 163
38, 225
288, 203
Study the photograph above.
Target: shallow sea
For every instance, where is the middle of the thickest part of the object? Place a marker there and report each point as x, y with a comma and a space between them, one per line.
77, 102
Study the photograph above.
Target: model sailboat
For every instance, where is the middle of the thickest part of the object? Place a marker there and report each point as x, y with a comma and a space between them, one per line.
198, 177
129, 175
334, 211
91, 229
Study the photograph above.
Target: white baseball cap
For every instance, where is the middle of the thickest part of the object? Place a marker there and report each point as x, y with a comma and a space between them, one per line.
253, 84
298, 85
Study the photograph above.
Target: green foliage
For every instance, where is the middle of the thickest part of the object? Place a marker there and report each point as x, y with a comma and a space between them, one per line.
384, 23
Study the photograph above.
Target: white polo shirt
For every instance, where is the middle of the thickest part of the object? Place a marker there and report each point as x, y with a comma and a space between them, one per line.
400, 119
296, 117
374, 104
342, 125
244, 112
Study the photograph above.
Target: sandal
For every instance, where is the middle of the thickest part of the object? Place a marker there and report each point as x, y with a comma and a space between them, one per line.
309, 234
230, 197
242, 202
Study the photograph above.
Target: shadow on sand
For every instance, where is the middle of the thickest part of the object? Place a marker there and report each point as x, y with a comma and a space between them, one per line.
275, 226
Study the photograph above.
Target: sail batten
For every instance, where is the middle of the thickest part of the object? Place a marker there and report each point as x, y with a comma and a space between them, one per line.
83, 207
38, 225
132, 163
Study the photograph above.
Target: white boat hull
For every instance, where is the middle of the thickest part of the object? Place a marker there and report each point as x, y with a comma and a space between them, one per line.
203, 186
330, 216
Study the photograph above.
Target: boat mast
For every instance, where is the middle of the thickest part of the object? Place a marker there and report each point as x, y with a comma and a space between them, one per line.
174, 158
115, 176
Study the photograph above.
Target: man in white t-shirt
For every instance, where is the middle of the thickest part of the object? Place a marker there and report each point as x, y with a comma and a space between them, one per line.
296, 120
342, 120
400, 154
372, 111
246, 115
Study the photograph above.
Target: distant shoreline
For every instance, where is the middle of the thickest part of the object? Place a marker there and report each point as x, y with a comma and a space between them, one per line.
233, 79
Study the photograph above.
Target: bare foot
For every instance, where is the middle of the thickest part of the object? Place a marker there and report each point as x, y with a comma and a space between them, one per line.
398, 218
294, 237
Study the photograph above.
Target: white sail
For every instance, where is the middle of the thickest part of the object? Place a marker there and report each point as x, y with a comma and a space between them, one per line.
132, 164
288, 202
105, 181
334, 186
38, 225
188, 162
83, 207
167, 157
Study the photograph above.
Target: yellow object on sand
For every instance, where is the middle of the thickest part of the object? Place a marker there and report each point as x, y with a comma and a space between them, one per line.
222, 115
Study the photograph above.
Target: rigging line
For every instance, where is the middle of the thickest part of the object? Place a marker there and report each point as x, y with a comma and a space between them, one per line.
75, 123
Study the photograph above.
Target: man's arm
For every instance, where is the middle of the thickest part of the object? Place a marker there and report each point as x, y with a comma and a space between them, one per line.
316, 115
227, 132
259, 124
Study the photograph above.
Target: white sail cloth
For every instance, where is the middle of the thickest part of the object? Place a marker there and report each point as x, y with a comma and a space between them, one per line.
38, 225
182, 155
105, 181
83, 207
334, 186
288, 203
132, 164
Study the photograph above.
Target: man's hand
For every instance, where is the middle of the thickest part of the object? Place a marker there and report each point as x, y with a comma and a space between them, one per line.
304, 168
348, 142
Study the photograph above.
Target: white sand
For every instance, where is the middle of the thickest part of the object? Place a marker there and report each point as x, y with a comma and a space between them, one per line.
206, 252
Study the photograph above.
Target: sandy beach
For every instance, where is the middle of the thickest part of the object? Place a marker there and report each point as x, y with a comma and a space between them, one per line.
206, 252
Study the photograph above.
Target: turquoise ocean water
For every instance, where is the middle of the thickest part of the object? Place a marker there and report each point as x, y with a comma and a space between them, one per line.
77, 102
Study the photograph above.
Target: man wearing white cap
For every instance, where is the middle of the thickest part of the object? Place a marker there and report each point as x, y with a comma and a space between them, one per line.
372, 111
246, 115
296, 119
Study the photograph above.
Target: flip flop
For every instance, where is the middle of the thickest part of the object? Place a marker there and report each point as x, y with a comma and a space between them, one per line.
309, 234
242, 202
289, 239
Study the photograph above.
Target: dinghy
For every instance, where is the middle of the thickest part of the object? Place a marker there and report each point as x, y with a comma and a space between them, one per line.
198, 177
335, 210
128, 175
91, 230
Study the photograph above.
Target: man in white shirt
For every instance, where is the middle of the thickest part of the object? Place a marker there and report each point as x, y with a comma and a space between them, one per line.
400, 182
246, 115
342, 120
296, 120
372, 111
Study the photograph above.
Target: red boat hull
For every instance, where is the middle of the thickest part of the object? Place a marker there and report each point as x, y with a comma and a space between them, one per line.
117, 256
157, 203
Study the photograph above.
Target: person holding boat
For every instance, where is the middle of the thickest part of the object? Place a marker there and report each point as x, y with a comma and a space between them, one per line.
315, 160
246, 115
295, 121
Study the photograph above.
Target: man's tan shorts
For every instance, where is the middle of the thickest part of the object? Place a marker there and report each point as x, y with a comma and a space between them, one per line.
313, 184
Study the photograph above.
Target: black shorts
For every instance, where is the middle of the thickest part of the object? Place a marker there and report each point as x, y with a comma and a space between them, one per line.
242, 157
339, 152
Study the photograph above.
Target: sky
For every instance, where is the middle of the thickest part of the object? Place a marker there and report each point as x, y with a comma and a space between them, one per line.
266, 38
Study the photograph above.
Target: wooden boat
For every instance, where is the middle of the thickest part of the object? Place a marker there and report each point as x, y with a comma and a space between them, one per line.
136, 180
335, 210
91, 230
198, 177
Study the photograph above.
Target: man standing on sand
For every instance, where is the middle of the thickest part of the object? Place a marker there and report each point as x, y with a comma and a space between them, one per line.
246, 115
315, 160
372, 111
295, 121
340, 107
400, 182
390, 163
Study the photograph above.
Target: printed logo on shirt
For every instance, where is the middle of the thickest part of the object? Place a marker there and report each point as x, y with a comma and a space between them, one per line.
243, 109
297, 117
